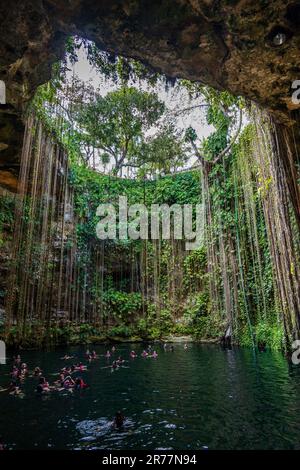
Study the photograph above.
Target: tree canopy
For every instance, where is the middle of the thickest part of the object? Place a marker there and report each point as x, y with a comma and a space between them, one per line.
119, 124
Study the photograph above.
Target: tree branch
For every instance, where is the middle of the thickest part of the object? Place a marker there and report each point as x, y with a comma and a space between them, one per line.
229, 146
189, 108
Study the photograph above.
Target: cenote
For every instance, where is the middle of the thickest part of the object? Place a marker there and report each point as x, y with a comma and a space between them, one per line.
201, 398
149, 194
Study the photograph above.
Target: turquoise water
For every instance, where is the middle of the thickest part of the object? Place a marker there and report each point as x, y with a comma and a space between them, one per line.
201, 398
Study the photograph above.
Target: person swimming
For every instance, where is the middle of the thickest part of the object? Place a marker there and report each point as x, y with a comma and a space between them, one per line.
80, 384
60, 381
15, 373
94, 355
17, 360
43, 386
23, 373
120, 360
68, 382
119, 420
154, 355
81, 367
133, 354
66, 358
23, 370
144, 353
37, 372
108, 354
114, 365
113, 349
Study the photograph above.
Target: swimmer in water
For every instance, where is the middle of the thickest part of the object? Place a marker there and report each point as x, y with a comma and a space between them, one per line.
80, 384
94, 355
114, 365
24, 369
133, 354
154, 355
144, 354
113, 349
80, 367
107, 355
37, 372
23, 372
185, 347
120, 360
15, 373
68, 383
119, 420
60, 381
43, 386
17, 360
66, 358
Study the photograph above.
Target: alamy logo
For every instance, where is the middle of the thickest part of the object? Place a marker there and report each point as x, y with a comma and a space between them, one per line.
296, 93
139, 222
2, 92
2, 353
296, 352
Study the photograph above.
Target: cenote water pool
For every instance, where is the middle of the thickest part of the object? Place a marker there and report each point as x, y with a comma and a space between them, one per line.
202, 398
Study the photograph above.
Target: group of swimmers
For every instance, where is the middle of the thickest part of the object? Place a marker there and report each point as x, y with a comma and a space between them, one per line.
18, 374
146, 353
66, 379
149, 353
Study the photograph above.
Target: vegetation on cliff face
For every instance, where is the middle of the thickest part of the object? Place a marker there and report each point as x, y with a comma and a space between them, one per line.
68, 286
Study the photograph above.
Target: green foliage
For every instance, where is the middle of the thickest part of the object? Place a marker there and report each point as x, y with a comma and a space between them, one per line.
164, 152
242, 335
92, 189
7, 207
230, 279
115, 68
116, 123
270, 334
122, 305
113, 128
208, 327
198, 306
121, 331
195, 268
